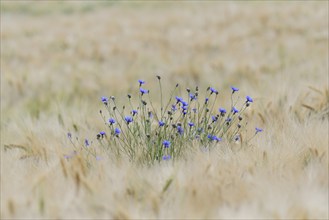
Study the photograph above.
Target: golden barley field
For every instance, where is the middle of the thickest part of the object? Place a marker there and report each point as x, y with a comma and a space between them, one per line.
59, 57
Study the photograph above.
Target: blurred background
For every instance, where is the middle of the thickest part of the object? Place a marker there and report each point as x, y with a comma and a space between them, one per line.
61, 56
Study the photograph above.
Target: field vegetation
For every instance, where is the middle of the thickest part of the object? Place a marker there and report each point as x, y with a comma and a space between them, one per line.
61, 61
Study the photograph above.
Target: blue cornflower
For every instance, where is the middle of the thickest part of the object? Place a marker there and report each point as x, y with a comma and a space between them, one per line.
192, 96
184, 112
180, 130
104, 99
184, 103
212, 90
206, 100
143, 91
214, 138
234, 110
128, 119
214, 118
184, 107
117, 131
258, 130
166, 157
222, 111
249, 99
112, 121
166, 144
234, 89
86, 143
102, 134
161, 123
173, 108
134, 112
179, 99
191, 124
141, 82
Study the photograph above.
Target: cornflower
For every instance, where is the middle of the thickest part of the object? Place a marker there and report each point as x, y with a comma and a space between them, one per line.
179, 99
249, 99
112, 121
166, 157
117, 131
144, 91
184, 103
214, 138
214, 118
258, 130
180, 130
128, 119
104, 100
166, 143
192, 96
134, 112
234, 89
161, 123
222, 111
234, 110
141, 82
212, 90
101, 134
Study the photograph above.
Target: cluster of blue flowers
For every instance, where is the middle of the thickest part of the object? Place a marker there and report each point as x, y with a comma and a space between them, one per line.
164, 134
